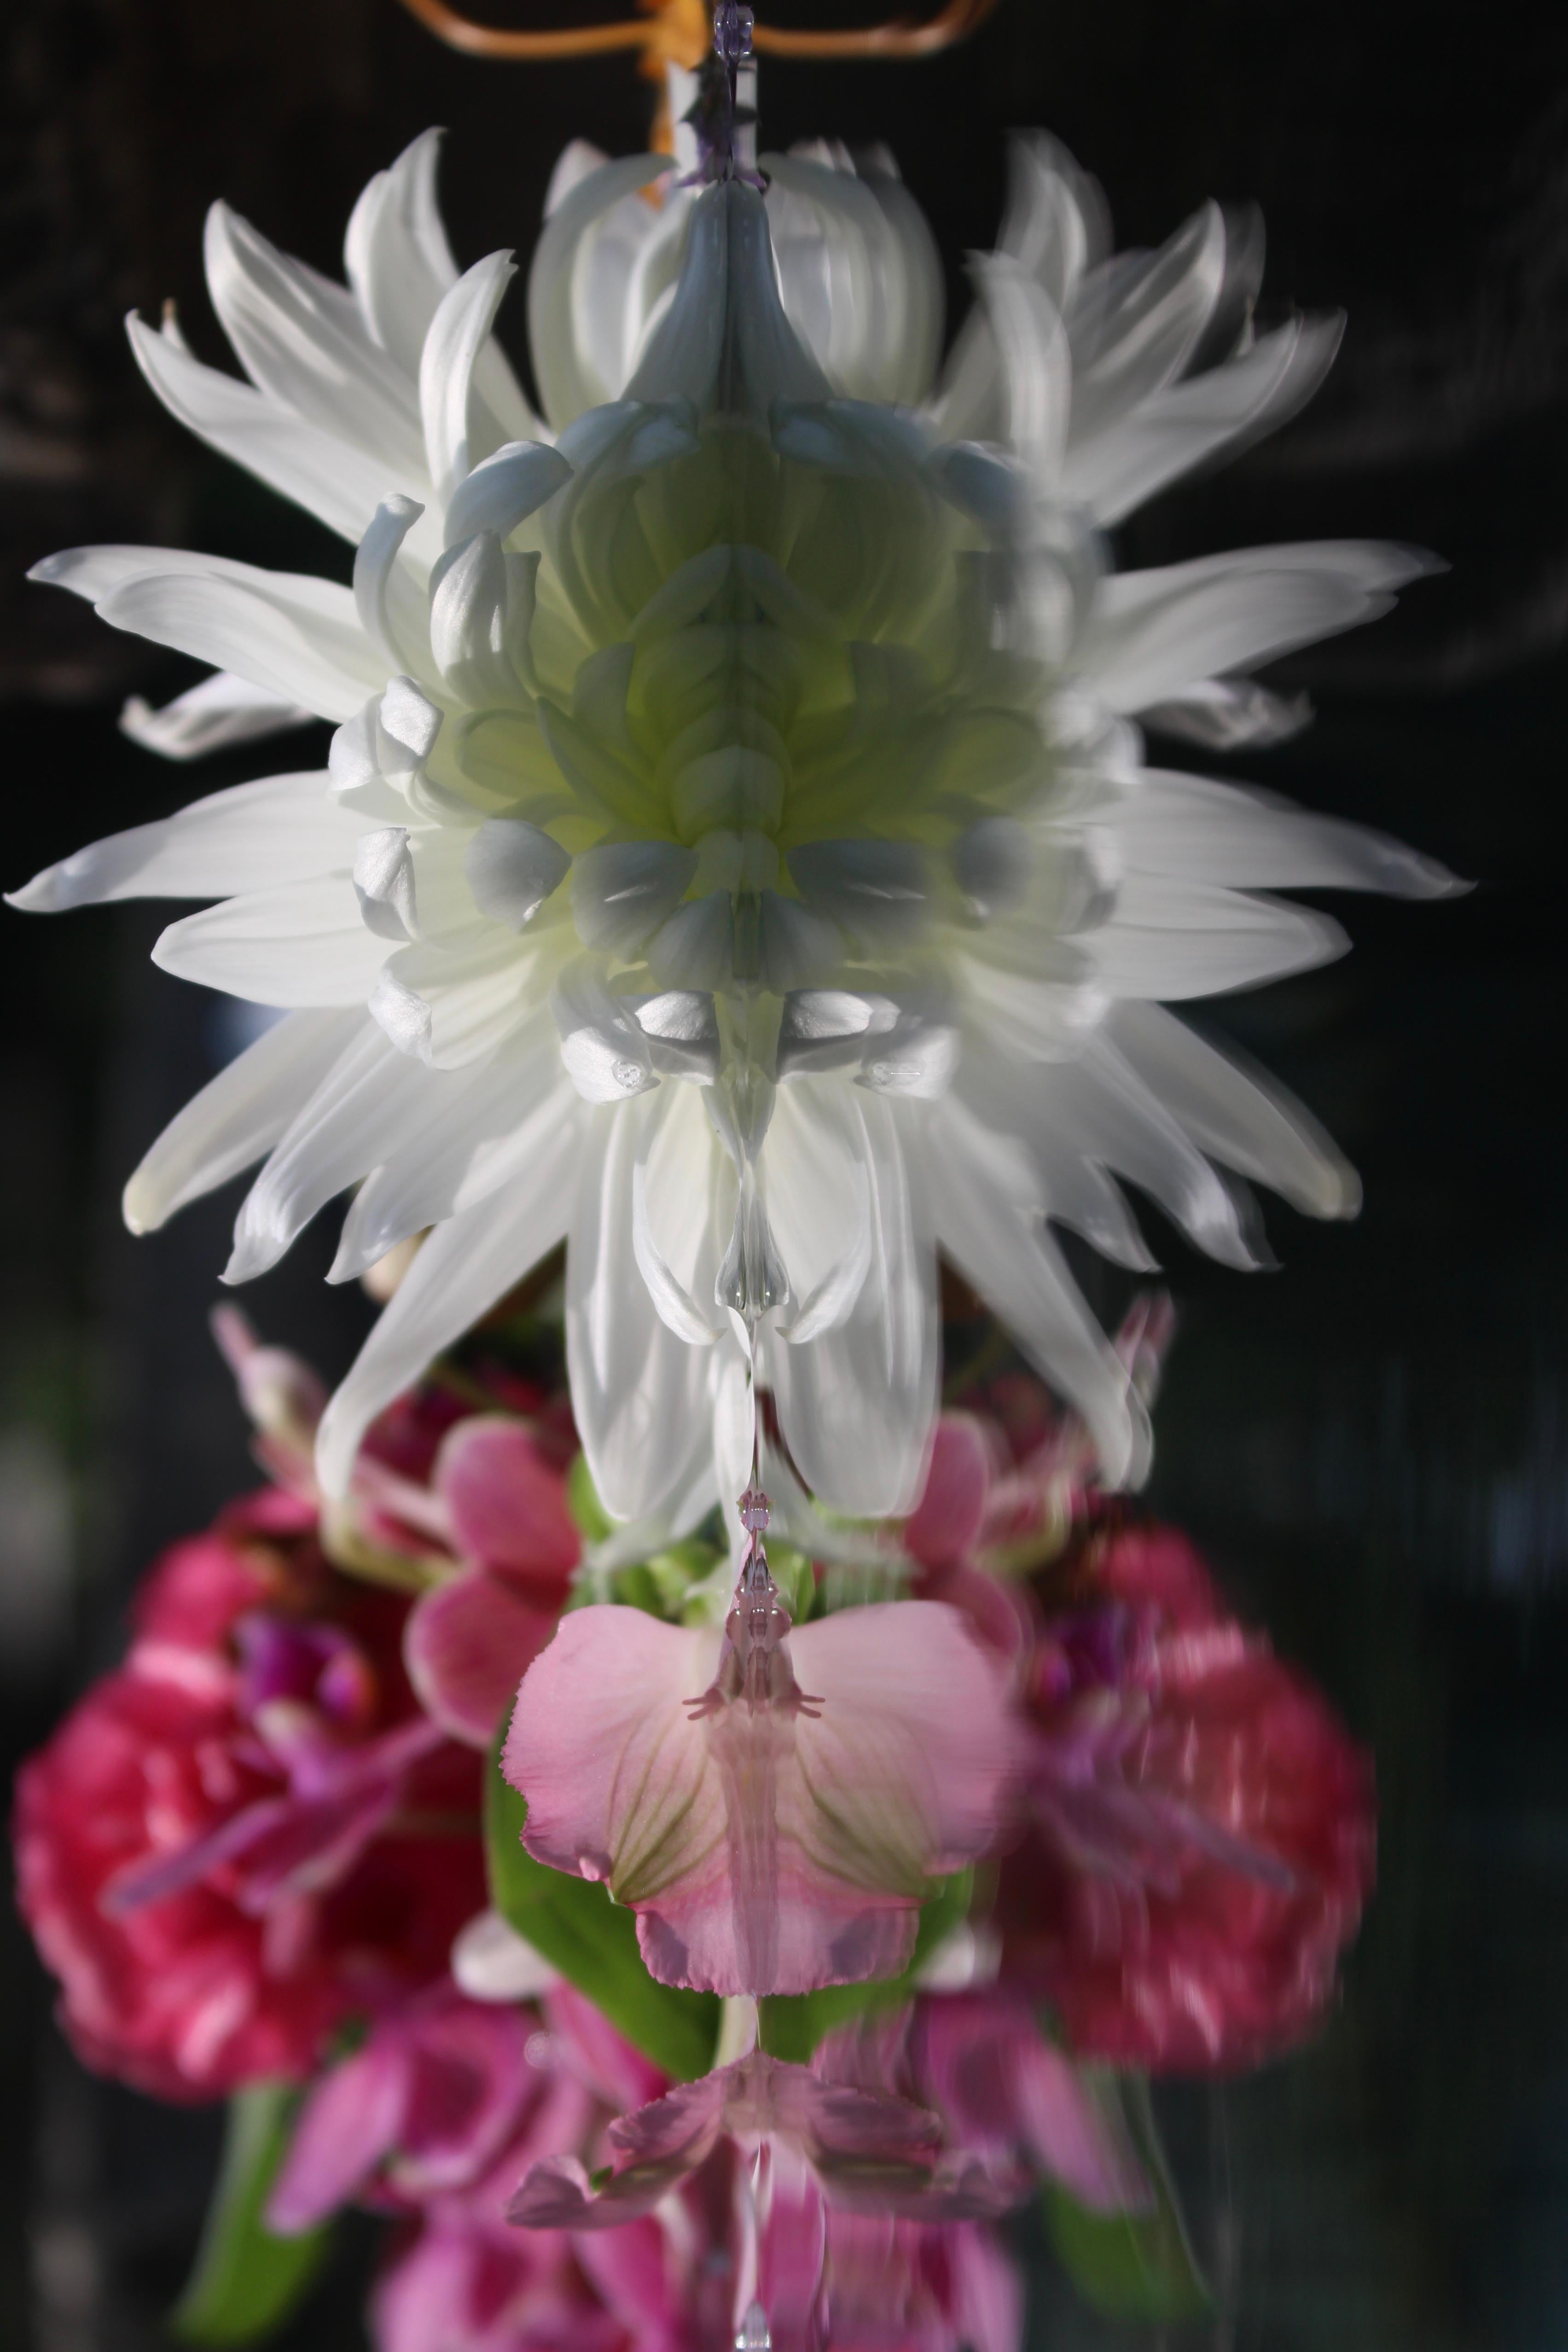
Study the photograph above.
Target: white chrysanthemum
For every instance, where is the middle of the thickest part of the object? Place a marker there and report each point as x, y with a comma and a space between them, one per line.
736, 855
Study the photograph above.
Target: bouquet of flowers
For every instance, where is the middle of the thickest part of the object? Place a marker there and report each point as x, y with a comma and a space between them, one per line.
689, 1817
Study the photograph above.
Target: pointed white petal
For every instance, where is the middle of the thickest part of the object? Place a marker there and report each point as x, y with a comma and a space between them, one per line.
640, 1395
303, 944
457, 332
987, 1212
237, 1116
303, 341
1204, 832
252, 836
464, 1268
1150, 633
1180, 428
331, 478
220, 713
557, 365
856, 1401
1247, 1120
1175, 939
371, 1099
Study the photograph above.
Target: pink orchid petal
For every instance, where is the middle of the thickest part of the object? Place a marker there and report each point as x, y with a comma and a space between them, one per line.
988, 2294
948, 1517
507, 1500
600, 2058
631, 2268
792, 2248
1004, 2088
467, 1646
349, 2123
765, 1851
468, 2076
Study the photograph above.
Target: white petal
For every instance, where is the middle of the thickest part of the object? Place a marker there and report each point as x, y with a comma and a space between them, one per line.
557, 367
1207, 831
370, 1099
492, 1124
505, 489
459, 331
1137, 335
390, 603
640, 1394
1178, 429
301, 944
511, 869
237, 1116
1149, 634
454, 1001
464, 1268
252, 836
856, 1402
987, 1209
622, 892
1175, 939
331, 478
490, 1961
295, 636
1245, 1119
1035, 367
220, 713
304, 342
396, 253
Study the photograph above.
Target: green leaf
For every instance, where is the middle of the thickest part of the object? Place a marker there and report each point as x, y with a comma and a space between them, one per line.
592, 1942
1131, 2265
246, 2282
790, 2025
593, 1522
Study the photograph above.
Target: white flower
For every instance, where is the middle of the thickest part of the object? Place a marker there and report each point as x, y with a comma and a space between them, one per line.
737, 856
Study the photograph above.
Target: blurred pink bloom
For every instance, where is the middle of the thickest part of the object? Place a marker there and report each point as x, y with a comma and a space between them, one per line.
1203, 1828
220, 1850
770, 1837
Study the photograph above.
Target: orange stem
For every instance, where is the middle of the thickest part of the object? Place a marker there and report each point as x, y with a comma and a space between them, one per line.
952, 22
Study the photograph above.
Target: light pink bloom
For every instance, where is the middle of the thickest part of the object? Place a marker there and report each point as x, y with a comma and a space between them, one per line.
470, 1641
772, 1805
865, 2149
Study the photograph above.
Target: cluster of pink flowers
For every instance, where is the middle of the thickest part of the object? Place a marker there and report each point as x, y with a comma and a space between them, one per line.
254, 1853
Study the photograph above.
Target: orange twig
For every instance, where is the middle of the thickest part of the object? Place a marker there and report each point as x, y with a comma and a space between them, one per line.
666, 32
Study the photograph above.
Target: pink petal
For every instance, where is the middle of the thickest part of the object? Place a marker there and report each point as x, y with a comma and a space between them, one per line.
792, 2246
508, 1501
651, 2150
467, 1646
468, 2078
947, 1519
1003, 2086
349, 2123
630, 2267
765, 1851
597, 2056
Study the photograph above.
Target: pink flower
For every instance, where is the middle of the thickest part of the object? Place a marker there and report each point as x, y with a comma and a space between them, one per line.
221, 1852
770, 1837
472, 1639
1203, 1835
866, 2150
472, 1503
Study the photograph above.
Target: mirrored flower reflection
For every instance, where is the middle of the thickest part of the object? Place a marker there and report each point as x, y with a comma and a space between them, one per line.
736, 854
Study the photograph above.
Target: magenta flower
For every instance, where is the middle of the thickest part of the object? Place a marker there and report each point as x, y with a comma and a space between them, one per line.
865, 2150
772, 1834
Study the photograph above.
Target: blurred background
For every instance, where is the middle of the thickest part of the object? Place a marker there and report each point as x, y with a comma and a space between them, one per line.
1372, 1442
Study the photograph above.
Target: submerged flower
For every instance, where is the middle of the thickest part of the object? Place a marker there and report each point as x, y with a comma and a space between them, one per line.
736, 854
774, 1804
867, 2150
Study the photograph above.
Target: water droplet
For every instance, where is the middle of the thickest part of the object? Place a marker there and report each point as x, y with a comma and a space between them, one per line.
752, 2333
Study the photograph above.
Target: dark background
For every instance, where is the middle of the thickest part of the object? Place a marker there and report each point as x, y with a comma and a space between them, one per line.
1372, 1441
